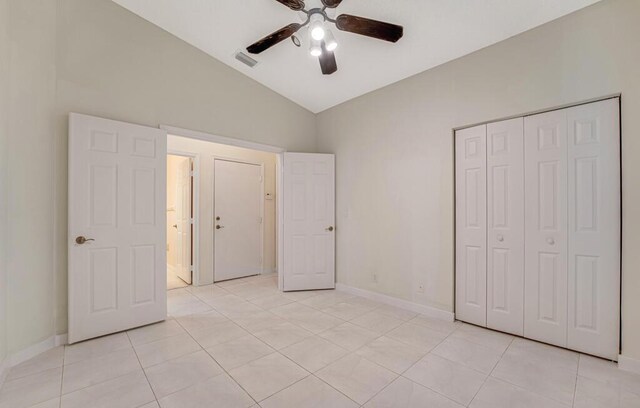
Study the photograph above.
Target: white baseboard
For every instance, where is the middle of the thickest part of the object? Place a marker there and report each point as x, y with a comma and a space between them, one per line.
629, 364
401, 303
30, 352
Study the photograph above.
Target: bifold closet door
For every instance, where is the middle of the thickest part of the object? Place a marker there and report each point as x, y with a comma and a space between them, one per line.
505, 226
471, 225
594, 228
572, 224
546, 227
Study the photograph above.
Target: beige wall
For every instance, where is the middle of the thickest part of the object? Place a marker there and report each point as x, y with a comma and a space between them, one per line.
205, 153
173, 163
394, 147
31, 295
4, 99
93, 57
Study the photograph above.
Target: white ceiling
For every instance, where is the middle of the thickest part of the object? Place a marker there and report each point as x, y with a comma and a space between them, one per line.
435, 31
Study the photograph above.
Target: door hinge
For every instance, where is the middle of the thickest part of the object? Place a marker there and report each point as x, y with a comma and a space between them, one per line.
192, 221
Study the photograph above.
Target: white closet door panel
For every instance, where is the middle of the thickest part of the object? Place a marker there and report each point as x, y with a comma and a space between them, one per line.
505, 226
546, 227
471, 225
594, 228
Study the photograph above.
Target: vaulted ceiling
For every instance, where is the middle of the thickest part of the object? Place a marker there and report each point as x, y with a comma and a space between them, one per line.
435, 31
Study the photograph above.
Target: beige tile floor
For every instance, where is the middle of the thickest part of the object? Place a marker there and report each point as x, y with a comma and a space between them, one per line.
244, 344
173, 281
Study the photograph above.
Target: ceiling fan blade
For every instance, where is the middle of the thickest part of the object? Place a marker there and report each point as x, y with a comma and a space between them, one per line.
370, 28
293, 4
331, 3
327, 59
274, 38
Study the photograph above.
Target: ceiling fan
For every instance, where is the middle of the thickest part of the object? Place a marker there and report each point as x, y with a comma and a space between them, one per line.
322, 41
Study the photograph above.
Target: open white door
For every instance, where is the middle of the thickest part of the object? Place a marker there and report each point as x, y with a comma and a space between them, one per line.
309, 219
117, 231
183, 220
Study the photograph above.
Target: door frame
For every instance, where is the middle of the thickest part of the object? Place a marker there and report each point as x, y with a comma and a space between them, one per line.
195, 198
278, 151
213, 200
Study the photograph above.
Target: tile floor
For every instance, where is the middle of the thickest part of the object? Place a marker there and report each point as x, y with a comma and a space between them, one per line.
173, 281
243, 344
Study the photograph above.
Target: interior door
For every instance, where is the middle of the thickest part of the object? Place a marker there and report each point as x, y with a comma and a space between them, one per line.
238, 223
594, 228
117, 226
546, 227
183, 220
505, 219
309, 221
471, 225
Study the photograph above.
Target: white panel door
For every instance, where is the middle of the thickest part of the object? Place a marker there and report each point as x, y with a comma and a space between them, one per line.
471, 225
183, 220
117, 226
546, 227
594, 228
309, 217
238, 224
505, 226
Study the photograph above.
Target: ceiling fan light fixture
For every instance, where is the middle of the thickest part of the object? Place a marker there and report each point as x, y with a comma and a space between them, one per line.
330, 41
316, 27
316, 48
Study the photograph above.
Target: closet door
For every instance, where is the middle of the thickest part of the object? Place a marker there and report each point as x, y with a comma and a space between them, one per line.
471, 225
594, 228
505, 219
546, 227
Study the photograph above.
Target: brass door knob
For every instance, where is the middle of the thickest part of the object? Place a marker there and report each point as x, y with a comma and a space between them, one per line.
82, 240
219, 226
330, 229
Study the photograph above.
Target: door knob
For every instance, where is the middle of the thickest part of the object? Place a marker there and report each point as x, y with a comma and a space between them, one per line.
500, 237
219, 226
217, 218
175, 226
82, 240
551, 241
330, 229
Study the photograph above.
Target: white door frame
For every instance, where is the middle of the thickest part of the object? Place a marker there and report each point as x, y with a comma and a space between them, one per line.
195, 197
213, 198
278, 151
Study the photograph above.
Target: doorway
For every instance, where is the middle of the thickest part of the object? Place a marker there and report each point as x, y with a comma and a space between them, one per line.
118, 222
235, 212
180, 217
